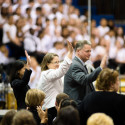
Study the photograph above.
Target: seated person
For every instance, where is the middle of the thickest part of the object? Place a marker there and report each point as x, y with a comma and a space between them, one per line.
59, 98
8, 117
67, 116
34, 98
23, 117
106, 99
99, 119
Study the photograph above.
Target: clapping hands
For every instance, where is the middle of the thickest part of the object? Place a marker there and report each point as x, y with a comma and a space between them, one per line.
42, 114
28, 59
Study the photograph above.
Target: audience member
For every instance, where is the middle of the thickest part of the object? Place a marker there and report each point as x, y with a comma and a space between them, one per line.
3, 16
120, 59
100, 51
99, 119
56, 18
111, 24
31, 42
77, 81
10, 39
36, 70
8, 117
58, 48
23, 117
19, 78
120, 35
105, 99
67, 102
103, 28
20, 34
22, 20
67, 116
59, 98
34, 98
50, 80
4, 55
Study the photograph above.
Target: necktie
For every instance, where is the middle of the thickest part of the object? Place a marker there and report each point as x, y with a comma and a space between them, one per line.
91, 85
86, 68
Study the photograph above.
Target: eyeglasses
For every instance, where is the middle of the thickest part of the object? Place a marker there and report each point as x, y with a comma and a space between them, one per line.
55, 62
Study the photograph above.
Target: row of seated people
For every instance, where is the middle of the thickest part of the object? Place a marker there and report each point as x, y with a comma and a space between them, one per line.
67, 113
40, 30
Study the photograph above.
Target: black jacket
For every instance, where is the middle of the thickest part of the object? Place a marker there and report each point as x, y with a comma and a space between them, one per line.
20, 87
35, 114
110, 103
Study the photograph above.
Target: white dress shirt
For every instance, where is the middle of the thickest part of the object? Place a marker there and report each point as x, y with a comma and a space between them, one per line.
51, 83
35, 74
12, 31
103, 30
120, 57
31, 43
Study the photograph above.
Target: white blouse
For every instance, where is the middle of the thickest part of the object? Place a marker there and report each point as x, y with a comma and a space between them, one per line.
51, 83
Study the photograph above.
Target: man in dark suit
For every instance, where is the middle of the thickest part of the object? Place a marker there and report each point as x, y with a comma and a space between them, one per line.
77, 81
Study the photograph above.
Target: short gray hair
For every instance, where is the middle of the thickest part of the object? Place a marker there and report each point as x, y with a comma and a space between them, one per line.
80, 44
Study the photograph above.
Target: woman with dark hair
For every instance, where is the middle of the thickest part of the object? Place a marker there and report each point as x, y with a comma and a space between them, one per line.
67, 116
19, 78
67, 102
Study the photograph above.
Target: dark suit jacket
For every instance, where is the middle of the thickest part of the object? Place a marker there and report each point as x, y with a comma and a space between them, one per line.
35, 114
20, 87
77, 81
110, 103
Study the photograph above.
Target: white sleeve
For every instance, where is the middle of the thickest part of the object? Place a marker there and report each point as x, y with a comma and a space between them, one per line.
29, 45
61, 71
6, 28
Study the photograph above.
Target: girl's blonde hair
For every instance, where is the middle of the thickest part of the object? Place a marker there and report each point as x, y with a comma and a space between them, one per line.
34, 97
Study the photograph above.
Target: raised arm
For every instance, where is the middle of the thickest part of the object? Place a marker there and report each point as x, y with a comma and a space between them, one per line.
70, 50
28, 60
83, 78
64, 66
103, 62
